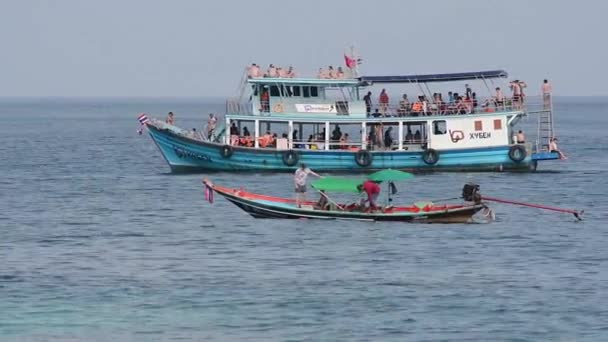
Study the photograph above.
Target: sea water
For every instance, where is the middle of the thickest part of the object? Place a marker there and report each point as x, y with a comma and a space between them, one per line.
100, 242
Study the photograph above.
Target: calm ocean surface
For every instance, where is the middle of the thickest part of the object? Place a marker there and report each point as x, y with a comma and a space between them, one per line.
99, 242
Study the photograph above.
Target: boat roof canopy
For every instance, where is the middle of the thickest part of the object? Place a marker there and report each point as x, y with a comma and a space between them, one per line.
459, 76
306, 81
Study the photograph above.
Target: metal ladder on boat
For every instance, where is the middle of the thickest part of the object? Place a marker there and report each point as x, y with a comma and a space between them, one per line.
546, 129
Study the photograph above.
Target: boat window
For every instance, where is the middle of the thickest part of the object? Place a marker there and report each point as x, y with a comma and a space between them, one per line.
342, 107
497, 124
314, 92
478, 125
439, 127
274, 91
296, 91
306, 91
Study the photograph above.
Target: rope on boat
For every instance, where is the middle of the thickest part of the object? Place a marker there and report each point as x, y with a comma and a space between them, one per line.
576, 213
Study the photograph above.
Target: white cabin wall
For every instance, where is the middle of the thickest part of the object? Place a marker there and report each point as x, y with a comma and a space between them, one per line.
488, 136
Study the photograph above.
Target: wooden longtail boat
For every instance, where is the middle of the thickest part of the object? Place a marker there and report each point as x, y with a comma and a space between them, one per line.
264, 206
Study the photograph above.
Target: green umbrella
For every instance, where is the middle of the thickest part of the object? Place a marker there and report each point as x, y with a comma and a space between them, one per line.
336, 184
389, 175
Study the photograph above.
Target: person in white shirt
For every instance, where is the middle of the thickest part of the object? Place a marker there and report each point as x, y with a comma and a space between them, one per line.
300, 177
211, 124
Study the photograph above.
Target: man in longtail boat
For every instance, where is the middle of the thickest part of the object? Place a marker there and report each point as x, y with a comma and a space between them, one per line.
300, 177
372, 189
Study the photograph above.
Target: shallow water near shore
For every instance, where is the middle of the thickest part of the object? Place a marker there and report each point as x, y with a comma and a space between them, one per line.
100, 242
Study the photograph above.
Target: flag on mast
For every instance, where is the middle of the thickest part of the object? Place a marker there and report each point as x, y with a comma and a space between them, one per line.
351, 63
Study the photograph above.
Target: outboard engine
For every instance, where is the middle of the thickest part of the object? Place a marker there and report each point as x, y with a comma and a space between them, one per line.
470, 193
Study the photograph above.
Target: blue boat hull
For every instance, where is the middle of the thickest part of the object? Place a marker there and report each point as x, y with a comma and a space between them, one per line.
188, 155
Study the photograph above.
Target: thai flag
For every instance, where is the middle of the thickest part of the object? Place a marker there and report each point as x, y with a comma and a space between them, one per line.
143, 118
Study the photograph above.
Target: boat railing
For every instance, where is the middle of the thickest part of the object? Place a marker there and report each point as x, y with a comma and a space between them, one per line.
190, 134
237, 106
481, 105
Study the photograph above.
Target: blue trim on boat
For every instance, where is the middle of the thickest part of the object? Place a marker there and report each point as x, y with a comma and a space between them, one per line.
545, 156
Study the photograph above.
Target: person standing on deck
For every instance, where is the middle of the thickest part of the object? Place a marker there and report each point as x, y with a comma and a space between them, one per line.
546, 91
211, 124
368, 103
299, 179
383, 100
170, 120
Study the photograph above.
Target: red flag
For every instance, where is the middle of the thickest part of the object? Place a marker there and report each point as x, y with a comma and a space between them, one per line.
350, 62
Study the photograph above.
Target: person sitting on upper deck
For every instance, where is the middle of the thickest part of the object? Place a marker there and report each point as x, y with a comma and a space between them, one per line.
450, 97
474, 99
322, 74
170, 120
468, 103
404, 106
291, 73
553, 148
499, 98
272, 71
468, 91
376, 114
281, 73
418, 107
461, 106
253, 71
486, 107
331, 73
340, 73
383, 100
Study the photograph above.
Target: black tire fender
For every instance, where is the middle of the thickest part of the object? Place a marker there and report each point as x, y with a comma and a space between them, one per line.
226, 151
290, 157
430, 156
517, 153
363, 158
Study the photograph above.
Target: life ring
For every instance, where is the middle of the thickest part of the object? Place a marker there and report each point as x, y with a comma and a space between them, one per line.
517, 153
363, 158
278, 108
430, 156
290, 158
226, 151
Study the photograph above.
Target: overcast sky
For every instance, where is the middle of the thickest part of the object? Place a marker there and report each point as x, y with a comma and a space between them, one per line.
200, 48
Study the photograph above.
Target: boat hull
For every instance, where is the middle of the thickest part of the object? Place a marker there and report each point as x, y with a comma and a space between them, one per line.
285, 209
188, 155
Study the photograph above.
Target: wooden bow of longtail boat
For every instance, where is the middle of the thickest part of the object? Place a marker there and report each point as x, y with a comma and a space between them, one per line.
265, 206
